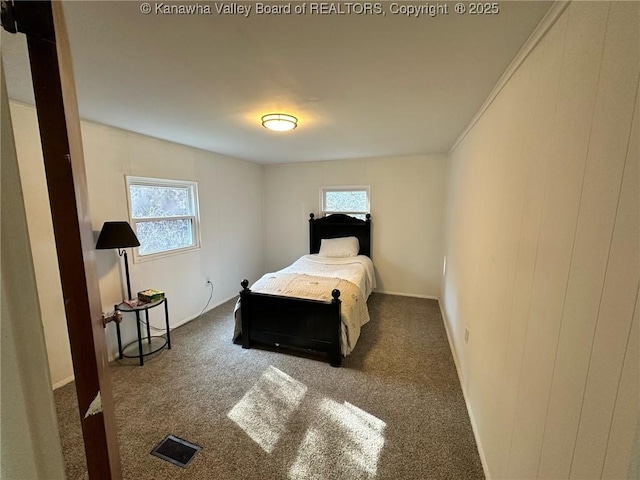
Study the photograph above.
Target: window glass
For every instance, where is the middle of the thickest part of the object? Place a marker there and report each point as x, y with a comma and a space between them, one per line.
346, 201
352, 201
164, 214
164, 235
157, 201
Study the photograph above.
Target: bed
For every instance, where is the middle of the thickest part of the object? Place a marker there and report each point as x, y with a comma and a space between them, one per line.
317, 303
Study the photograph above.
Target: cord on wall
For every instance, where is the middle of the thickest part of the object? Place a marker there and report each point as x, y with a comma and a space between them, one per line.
210, 296
205, 307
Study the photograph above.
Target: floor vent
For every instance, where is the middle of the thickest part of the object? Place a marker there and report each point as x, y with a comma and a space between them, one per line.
176, 450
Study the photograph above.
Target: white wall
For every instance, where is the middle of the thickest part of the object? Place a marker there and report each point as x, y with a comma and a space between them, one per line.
230, 198
43, 248
30, 445
407, 195
542, 255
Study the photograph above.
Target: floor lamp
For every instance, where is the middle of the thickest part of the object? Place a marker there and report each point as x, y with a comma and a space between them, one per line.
118, 235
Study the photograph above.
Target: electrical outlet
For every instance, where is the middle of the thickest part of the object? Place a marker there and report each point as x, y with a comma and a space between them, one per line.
208, 281
466, 334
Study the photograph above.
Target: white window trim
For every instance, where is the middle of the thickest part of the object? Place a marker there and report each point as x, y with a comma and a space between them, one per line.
344, 188
151, 181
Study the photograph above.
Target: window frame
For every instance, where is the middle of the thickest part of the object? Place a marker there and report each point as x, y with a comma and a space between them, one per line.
195, 217
344, 188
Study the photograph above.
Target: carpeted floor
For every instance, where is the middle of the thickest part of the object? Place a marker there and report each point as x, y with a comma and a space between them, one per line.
395, 409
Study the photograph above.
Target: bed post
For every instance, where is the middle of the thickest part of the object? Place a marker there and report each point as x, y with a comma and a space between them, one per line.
335, 355
368, 223
245, 312
311, 236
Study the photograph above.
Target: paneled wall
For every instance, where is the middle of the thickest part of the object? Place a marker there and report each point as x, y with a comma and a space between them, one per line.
542, 255
407, 197
230, 199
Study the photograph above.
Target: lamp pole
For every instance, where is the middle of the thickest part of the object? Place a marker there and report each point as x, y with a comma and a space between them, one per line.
126, 271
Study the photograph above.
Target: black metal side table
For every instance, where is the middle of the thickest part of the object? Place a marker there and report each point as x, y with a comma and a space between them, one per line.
153, 343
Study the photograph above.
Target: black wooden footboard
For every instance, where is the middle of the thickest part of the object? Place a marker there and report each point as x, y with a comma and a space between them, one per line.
289, 321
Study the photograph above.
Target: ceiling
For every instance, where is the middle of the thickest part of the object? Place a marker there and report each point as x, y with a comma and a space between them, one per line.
361, 85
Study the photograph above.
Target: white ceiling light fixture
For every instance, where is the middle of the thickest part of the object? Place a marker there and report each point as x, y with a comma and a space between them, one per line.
280, 122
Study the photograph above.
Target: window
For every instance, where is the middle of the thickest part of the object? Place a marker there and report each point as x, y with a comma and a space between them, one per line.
164, 215
352, 201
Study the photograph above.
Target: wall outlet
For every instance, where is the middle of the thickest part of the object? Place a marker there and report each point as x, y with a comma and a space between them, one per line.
466, 334
208, 281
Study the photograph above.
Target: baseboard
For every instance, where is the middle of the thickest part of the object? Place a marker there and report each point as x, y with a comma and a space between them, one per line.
193, 317
62, 383
472, 418
429, 297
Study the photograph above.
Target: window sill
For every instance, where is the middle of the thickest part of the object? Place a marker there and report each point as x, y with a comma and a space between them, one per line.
169, 253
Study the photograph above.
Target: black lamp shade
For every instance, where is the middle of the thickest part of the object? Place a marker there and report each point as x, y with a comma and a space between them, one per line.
116, 235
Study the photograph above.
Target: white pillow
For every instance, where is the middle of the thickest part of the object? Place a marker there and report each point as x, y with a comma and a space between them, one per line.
339, 247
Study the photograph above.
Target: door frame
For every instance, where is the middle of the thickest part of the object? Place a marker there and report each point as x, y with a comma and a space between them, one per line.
56, 103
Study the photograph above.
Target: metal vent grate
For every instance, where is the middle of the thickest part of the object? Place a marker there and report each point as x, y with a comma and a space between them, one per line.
176, 450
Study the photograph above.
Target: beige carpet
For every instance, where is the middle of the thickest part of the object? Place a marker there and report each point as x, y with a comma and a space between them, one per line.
395, 409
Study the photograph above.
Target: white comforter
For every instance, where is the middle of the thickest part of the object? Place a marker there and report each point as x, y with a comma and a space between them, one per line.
358, 271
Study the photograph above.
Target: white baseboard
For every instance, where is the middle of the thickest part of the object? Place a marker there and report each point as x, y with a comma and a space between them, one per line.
472, 418
429, 297
63, 382
193, 317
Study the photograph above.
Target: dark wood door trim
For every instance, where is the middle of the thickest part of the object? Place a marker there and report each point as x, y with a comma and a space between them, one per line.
56, 104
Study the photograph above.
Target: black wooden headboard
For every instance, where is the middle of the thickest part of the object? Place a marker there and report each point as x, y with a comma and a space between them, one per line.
339, 225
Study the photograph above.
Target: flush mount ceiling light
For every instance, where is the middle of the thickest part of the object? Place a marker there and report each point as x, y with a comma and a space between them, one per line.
280, 122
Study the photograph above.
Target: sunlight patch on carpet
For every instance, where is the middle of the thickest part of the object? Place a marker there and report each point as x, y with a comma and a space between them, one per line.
264, 410
344, 441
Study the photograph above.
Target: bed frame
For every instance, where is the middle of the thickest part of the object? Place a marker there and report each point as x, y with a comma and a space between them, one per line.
302, 323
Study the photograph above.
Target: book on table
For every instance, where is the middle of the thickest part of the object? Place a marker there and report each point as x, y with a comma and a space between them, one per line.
150, 295
134, 302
